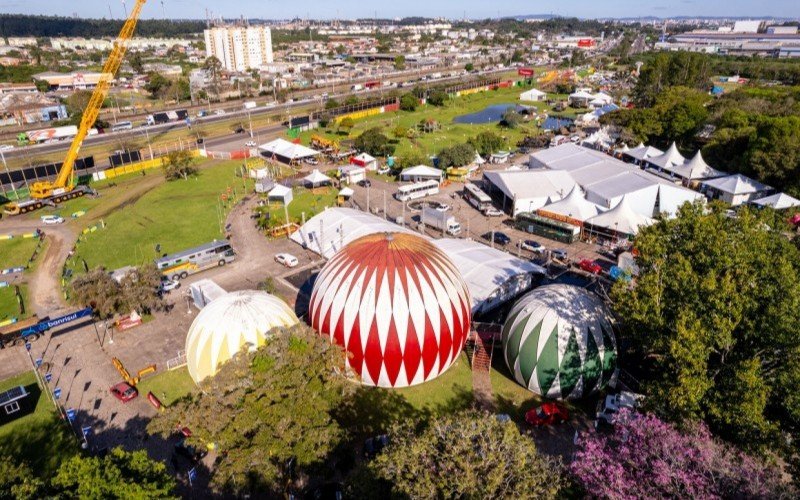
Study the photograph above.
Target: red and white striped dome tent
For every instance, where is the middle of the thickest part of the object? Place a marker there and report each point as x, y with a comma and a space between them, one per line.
397, 304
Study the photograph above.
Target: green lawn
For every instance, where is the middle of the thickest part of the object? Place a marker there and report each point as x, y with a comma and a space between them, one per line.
9, 306
177, 215
449, 392
168, 386
16, 252
450, 133
39, 437
510, 397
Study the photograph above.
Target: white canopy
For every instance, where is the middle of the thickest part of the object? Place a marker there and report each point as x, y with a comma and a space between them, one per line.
642, 152
736, 184
574, 206
316, 178
286, 149
778, 201
581, 94
478, 160
282, 192
346, 192
532, 95
621, 219
364, 157
670, 158
696, 168
420, 172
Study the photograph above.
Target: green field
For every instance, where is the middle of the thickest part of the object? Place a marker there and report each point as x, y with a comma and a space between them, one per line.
450, 133
9, 307
16, 252
177, 215
509, 396
39, 437
447, 393
168, 386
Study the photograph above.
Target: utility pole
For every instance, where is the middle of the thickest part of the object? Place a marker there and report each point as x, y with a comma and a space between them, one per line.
13, 188
385, 215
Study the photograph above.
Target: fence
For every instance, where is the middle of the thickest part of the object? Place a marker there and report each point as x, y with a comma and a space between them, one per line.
177, 362
136, 167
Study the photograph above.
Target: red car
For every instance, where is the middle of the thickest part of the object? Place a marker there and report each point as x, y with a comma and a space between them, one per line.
124, 392
590, 266
547, 414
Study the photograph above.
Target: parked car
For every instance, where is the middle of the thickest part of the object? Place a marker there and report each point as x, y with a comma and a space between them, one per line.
52, 219
383, 170
124, 392
499, 238
493, 212
590, 266
608, 408
167, 285
219, 112
286, 259
364, 183
549, 413
443, 207
6, 147
312, 161
250, 144
559, 253
531, 245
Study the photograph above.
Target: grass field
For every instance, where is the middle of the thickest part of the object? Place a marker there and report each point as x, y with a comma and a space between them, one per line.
9, 307
450, 133
39, 437
510, 397
449, 392
168, 386
16, 252
177, 215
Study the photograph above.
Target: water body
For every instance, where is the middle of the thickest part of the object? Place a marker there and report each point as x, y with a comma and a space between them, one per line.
491, 114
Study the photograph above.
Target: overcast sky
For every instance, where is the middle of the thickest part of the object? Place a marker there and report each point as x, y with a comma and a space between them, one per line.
325, 9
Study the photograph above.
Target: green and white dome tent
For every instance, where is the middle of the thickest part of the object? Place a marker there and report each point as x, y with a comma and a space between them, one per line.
558, 342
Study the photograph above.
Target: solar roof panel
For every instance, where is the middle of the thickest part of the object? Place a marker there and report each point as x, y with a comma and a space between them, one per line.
12, 395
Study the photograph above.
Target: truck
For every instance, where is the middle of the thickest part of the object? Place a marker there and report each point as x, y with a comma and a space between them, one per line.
32, 328
440, 220
357, 87
167, 117
250, 105
608, 408
50, 134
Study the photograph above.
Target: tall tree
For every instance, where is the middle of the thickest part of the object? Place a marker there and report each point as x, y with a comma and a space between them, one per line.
214, 67
18, 481
468, 455
179, 165
456, 156
266, 409
713, 316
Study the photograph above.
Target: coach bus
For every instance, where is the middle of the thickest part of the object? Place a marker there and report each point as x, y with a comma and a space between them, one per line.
476, 197
417, 190
180, 265
119, 126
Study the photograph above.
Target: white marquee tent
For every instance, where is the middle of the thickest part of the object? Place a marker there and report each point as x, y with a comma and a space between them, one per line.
621, 219
285, 151
534, 95
574, 206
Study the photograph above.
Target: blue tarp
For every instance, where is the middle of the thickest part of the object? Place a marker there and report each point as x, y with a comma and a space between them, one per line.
556, 123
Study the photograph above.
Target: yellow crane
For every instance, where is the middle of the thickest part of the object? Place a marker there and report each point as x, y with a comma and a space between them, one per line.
63, 187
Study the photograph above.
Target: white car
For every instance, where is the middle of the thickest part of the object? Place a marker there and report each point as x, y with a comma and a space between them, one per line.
6, 147
286, 259
531, 245
250, 144
493, 212
219, 112
168, 285
383, 170
52, 219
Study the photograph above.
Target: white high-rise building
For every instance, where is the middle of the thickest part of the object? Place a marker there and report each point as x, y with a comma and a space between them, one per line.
240, 48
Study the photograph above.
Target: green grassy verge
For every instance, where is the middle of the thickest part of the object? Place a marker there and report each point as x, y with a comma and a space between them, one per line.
9, 306
510, 397
38, 436
168, 386
177, 215
447, 393
17, 251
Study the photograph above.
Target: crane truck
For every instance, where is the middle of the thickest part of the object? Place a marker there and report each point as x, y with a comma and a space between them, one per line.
32, 328
64, 187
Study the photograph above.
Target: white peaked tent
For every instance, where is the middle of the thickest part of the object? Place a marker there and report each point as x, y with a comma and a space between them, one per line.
624, 149
778, 201
534, 95
620, 219
478, 160
316, 178
670, 158
574, 206
696, 168
281, 193
642, 152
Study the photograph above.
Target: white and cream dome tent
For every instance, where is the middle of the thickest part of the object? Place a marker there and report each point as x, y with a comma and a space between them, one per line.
229, 323
558, 342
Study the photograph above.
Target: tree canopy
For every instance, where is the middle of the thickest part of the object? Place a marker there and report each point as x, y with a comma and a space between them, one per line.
457, 155
136, 291
265, 409
373, 142
409, 102
713, 320
487, 143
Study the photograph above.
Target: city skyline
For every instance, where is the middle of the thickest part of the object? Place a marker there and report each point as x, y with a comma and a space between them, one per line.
349, 9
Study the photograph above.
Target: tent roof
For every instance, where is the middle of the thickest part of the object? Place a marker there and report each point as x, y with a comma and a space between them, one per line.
696, 168
736, 184
478, 160
778, 201
526, 184
642, 152
279, 190
531, 93
574, 205
316, 177
282, 147
669, 158
581, 94
346, 192
365, 157
621, 219
422, 170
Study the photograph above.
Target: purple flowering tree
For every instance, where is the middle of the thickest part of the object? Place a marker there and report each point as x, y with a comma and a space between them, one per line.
644, 457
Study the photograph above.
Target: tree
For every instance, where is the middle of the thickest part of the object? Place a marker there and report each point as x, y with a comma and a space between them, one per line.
469, 67
400, 132
670, 69
713, 320
468, 455
510, 118
438, 97
137, 291
351, 100
214, 67
373, 142
136, 61
266, 408
156, 84
347, 124
18, 481
76, 104
179, 165
487, 143
457, 155
644, 457
331, 103
409, 102
400, 62
118, 475
774, 152
412, 160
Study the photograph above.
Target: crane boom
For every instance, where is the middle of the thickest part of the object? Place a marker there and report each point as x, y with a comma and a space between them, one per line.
66, 176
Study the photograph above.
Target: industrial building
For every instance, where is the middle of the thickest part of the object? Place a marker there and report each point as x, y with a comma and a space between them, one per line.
240, 48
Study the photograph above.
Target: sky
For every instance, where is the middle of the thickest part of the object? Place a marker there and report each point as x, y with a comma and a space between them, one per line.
330, 9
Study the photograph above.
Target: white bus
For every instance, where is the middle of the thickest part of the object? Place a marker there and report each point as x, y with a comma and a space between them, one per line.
121, 126
180, 265
417, 190
476, 197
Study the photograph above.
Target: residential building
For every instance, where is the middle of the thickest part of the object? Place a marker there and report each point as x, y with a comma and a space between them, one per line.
240, 48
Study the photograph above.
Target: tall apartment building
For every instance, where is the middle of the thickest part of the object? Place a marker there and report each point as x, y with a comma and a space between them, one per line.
240, 48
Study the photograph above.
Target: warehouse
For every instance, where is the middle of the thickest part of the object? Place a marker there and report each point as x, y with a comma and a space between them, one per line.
518, 191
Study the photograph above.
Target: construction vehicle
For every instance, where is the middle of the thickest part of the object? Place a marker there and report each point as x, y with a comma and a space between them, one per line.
31, 329
325, 145
63, 187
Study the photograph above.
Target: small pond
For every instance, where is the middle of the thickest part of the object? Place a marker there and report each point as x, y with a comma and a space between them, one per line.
491, 114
